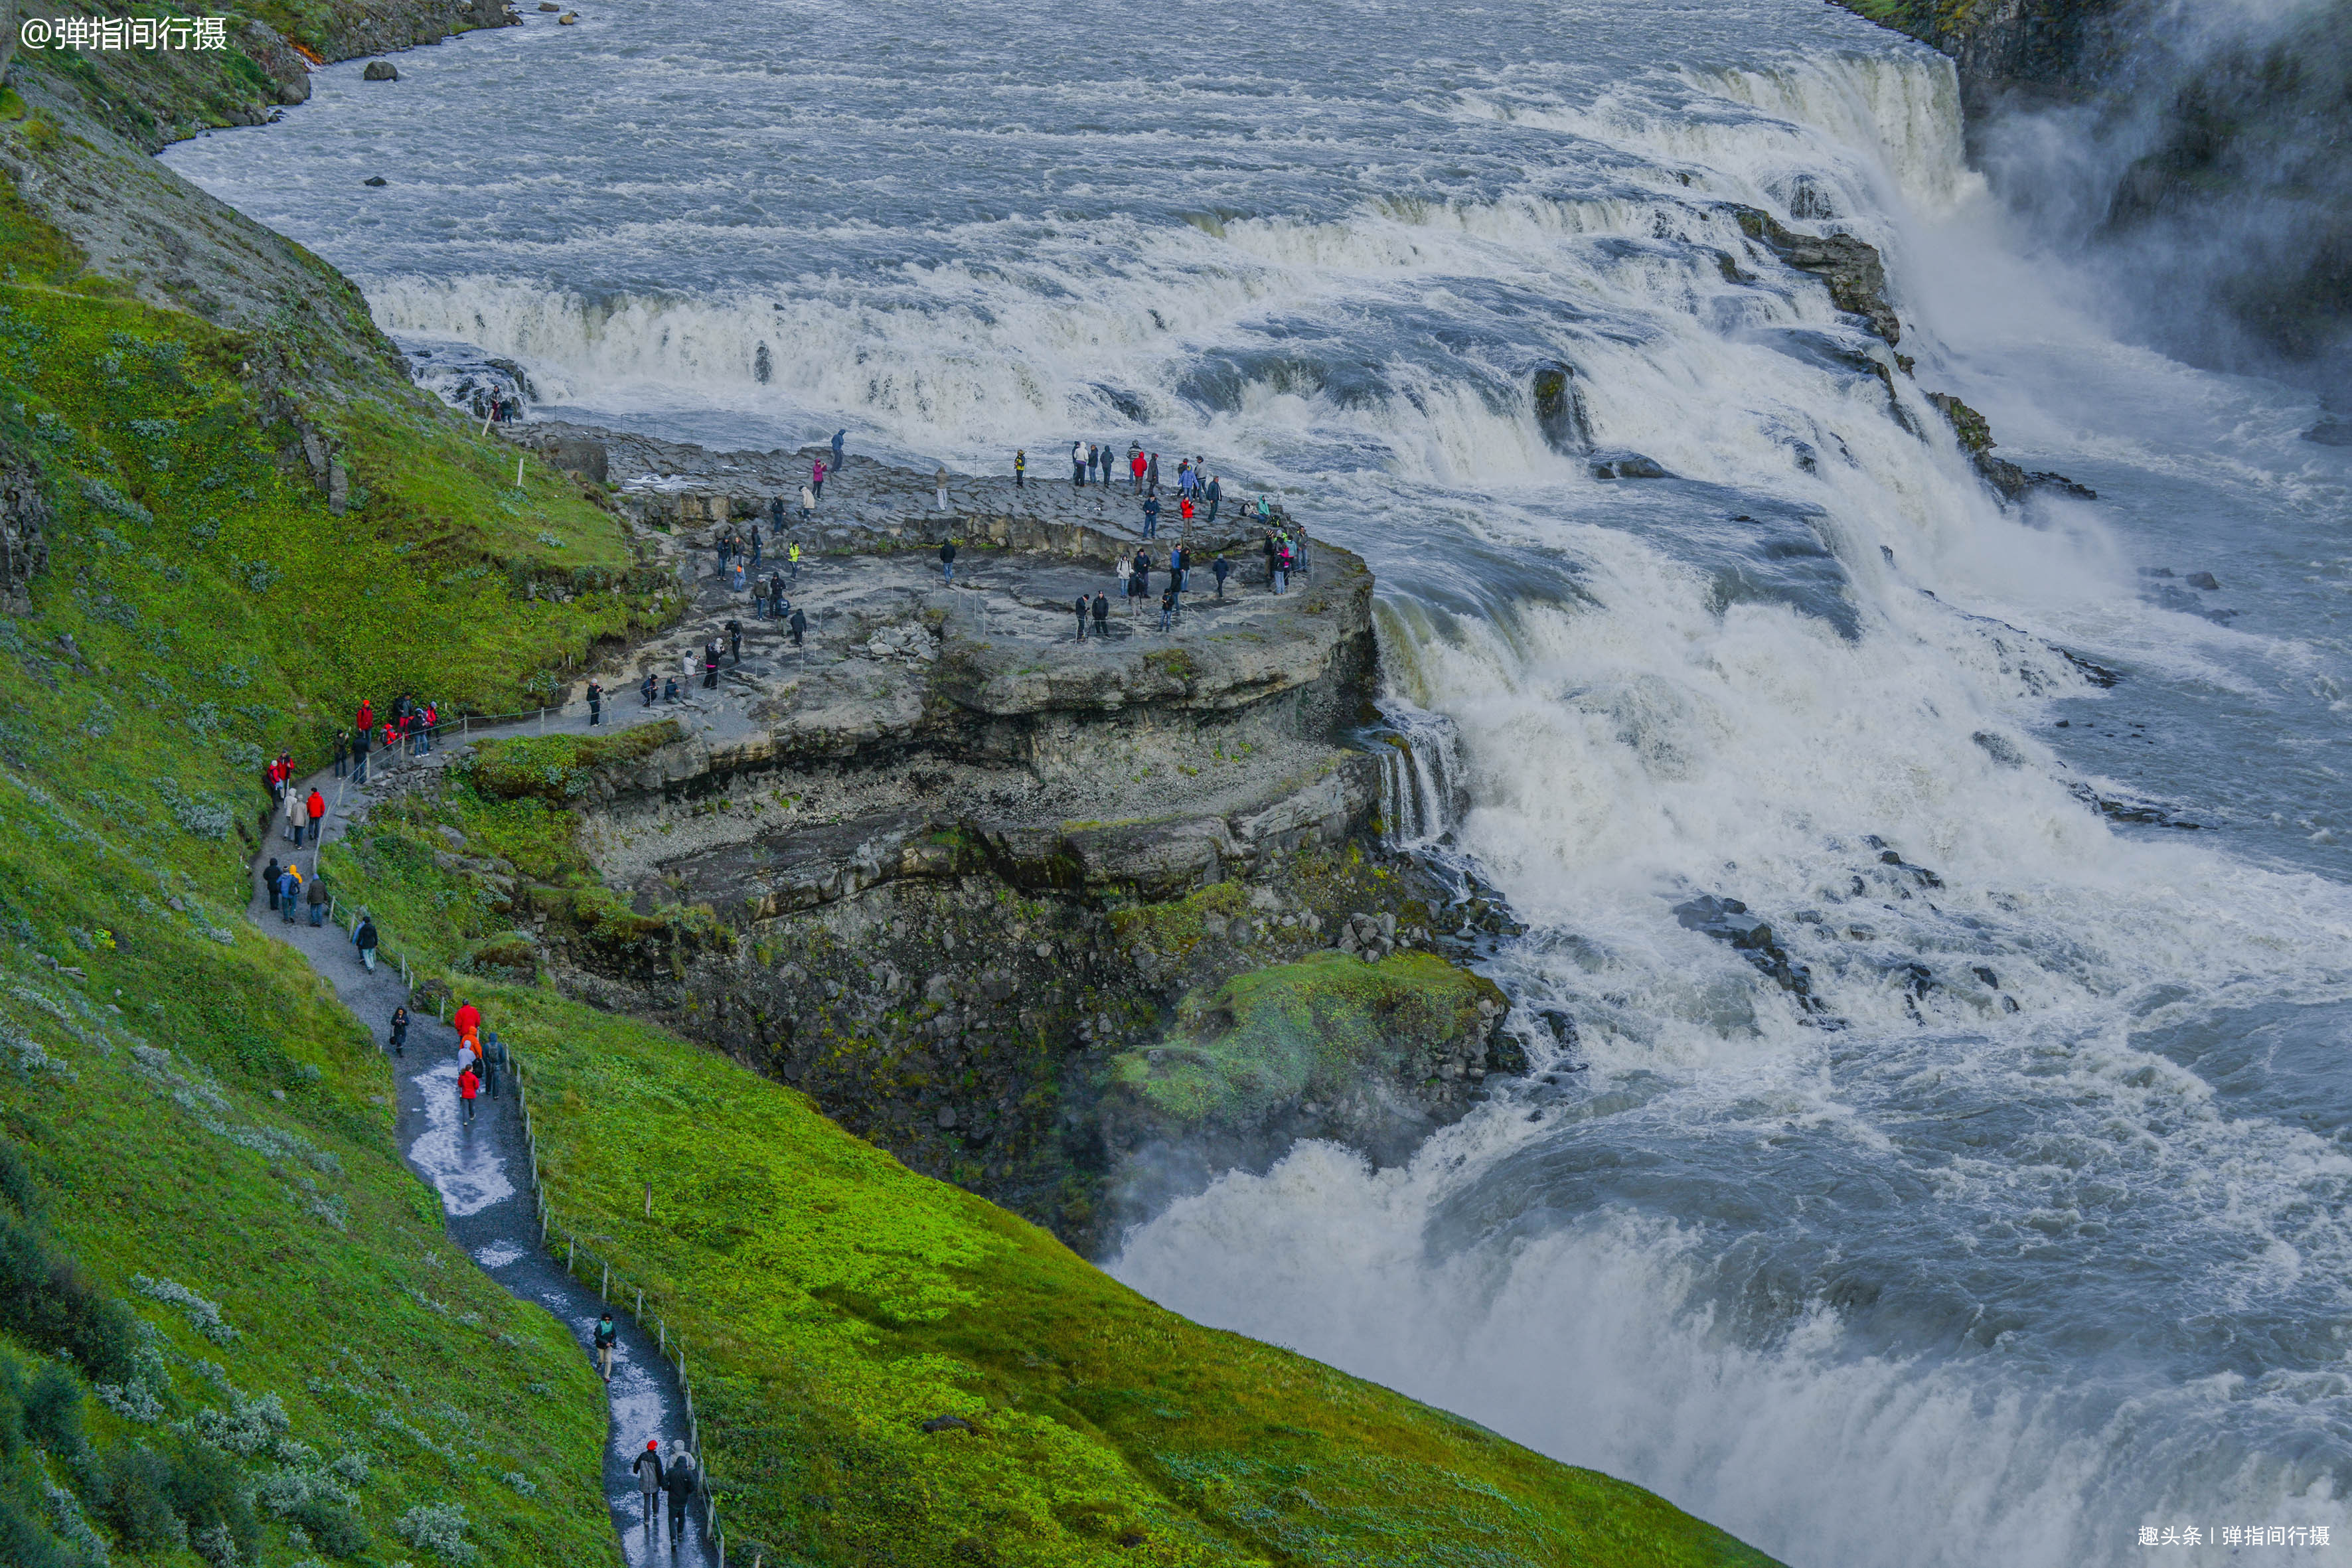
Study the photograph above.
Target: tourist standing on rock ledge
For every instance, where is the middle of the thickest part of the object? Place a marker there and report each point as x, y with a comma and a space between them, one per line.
1215, 492
1102, 616
799, 624
711, 664
1135, 468
1152, 517
1082, 617
775, 595
1221, 569
816, 477
838, 436
939, 483
808, 503
1020, 466
946, 562
776, 513
735, 638
595, 704
1077, 465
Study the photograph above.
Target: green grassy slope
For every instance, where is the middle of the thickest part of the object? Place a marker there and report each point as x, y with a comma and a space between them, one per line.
202, 609
833, 1302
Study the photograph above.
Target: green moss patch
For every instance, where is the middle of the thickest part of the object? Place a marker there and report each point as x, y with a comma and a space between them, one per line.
1309, 1029
560, 768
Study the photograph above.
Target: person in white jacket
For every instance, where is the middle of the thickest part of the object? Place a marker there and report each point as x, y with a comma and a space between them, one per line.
939, 483
294, 817
1077, 465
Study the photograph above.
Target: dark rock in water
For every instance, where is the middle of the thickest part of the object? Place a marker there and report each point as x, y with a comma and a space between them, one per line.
2331, 433
549, 5
2205, 580
2146, 813
1562, 1026
2000, 749
2011, 482
2096, 674
1632, 466
1728, 921
1852, 268
947, 1424
1987, 975
1924, 878
1559, 409
375, 180
763, 365
379, 71
2156, 571
1128, 406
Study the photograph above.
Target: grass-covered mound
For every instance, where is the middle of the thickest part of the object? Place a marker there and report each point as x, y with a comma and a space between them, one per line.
1309, 1030
833, 1302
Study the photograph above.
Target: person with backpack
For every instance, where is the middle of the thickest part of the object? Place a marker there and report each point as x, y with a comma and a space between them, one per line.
493, 1053
799, 625
946, 562
648, 1467
399, 1031
364, 938
608, 1334
468, 1085
315, 808
290, 890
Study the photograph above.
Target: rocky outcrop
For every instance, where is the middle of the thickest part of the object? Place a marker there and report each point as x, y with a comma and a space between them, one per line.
23, 530
1851, 266
2007, 481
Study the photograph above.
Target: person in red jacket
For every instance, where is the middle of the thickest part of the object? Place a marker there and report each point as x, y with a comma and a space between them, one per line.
468, 1085
367, 714
468, 1020
317, 806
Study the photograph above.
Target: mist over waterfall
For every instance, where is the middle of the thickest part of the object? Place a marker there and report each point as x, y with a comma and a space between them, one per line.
1998, 1214
2202, 158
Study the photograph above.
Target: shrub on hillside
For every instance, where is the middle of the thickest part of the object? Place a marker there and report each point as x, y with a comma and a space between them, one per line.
46, 1299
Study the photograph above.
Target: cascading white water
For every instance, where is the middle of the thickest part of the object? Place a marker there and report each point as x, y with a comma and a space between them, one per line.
2018, 1231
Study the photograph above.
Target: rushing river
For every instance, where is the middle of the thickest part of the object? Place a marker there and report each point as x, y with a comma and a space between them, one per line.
2032, 1235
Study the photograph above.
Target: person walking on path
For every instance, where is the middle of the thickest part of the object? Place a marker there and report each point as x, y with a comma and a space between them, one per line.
792, 559
1077, 465
799, 625
363, 937
494, 1060
399, 1031
1102, 616
468, 1085
466, 1019
711, 664
808, 503
1082, 617
293, 816
1020, 467
946, 562
755, 547
679, 1484
1269, 558
608, 1334
1152, 517
735, 638
1125, 571
315, 808
359, 756
289, 886
270, 880
940, 485
317, 898
367, 716
595, 702
776, 513
775, 595
649, 1476
1221, 569
342, 752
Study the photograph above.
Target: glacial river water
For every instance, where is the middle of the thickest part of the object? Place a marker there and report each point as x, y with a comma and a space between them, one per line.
2032, 1234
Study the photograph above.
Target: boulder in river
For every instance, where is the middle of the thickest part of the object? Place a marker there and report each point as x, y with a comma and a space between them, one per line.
2205, 580
375, 180
1633, 466
380, 70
